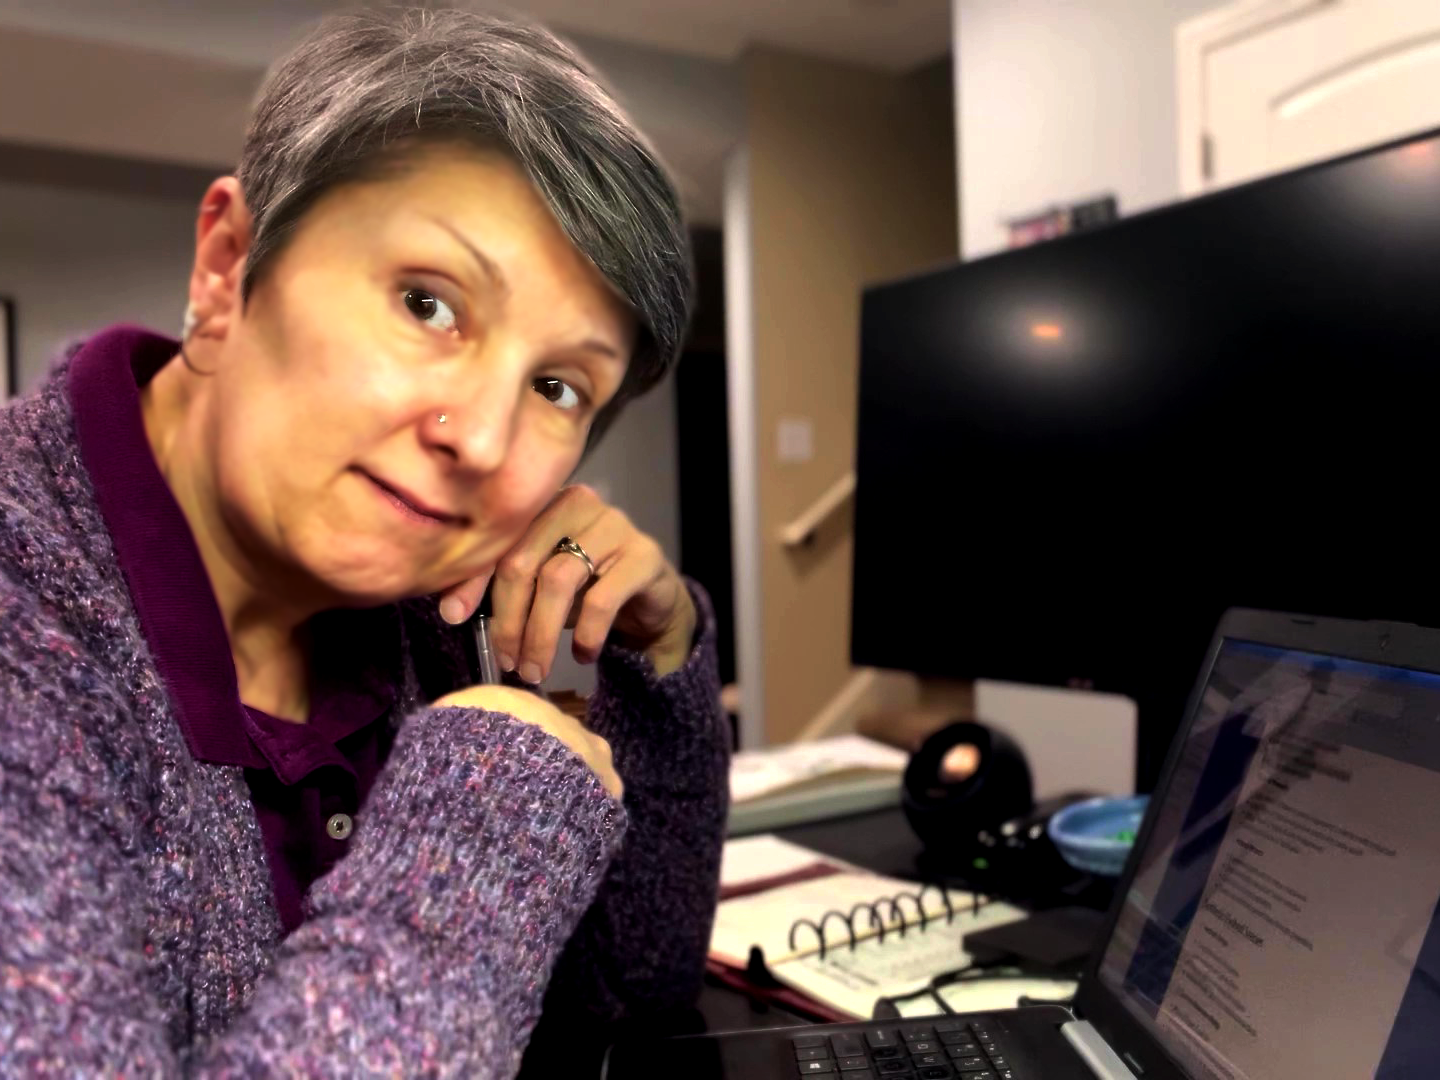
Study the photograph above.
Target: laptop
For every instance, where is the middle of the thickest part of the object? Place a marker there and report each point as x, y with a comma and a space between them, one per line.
1277, 919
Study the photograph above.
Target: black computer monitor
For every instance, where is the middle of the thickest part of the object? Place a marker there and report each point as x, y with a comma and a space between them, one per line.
1072, 458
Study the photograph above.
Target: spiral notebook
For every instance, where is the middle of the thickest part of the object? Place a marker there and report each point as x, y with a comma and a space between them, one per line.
850, 977
846, 937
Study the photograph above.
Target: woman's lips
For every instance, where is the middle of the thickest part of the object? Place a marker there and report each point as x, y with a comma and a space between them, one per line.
409, 505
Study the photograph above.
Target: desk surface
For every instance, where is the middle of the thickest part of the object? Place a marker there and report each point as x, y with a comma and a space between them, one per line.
881, 840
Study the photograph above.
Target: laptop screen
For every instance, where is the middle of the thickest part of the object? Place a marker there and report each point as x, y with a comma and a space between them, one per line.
1283, 919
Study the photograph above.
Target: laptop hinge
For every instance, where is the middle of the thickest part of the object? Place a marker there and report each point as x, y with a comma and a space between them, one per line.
1096, 1052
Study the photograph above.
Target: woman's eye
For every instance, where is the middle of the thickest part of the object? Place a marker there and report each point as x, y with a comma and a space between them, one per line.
425, 306
557, 391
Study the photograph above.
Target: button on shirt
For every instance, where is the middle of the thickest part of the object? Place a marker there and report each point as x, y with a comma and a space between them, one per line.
308, 782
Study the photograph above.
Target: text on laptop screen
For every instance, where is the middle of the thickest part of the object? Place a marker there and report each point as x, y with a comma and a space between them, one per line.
1283, 920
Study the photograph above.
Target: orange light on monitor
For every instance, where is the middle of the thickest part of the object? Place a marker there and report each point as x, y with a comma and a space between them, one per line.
1419, 159
1046, 331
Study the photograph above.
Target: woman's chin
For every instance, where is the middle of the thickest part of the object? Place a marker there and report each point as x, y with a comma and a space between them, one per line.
370, 583
362, 569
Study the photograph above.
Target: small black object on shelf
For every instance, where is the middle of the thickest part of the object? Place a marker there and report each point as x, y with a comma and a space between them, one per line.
969, 797
965, 778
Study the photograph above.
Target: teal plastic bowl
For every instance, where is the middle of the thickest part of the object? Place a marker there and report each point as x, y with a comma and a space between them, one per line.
1096, 835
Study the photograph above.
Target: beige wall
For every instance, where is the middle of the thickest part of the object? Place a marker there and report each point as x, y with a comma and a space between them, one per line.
851, 180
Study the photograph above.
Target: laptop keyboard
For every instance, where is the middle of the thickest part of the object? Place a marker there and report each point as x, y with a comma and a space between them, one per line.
928, 1050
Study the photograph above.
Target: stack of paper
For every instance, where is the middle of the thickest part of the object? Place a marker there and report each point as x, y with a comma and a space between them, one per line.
846, 774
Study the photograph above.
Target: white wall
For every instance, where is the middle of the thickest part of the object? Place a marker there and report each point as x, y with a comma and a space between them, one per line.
1060, 100
75, 261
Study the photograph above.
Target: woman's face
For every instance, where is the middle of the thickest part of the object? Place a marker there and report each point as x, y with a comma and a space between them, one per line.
446, 290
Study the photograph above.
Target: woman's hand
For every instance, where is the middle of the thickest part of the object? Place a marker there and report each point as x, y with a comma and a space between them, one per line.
635, 592
533, 709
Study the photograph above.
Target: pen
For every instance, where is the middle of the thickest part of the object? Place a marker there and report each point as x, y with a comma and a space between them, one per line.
489, 670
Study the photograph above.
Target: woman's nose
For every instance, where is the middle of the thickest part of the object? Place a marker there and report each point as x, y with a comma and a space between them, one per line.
476, 428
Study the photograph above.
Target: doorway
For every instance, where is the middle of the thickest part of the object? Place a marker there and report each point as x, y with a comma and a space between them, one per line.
702, 422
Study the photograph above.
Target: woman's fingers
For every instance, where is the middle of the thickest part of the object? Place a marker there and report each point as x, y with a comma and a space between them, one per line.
459, 602
537, 591
570, 513
514, 589
641, 564
563, 577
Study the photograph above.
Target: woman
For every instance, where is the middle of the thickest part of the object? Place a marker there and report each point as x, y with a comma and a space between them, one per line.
236, 837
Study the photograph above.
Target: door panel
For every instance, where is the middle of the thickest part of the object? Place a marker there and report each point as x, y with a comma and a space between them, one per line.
1333, 78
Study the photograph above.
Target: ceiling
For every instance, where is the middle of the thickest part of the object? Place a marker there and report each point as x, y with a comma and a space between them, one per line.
667, 60
890, 35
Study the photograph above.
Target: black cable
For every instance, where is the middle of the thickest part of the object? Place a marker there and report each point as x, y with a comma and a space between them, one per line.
1065, 1002
968, 974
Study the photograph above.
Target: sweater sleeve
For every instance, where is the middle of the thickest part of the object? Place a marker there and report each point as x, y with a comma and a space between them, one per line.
641, 947
483, 843
431, 943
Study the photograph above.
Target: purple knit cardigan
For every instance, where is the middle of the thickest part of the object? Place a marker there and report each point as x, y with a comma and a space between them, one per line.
490, 869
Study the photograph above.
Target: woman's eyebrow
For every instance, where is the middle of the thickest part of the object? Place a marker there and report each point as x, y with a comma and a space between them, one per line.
486, 264
602, 347
497, 278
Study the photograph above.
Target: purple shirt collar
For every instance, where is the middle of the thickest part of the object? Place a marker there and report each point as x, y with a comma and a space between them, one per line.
357, 653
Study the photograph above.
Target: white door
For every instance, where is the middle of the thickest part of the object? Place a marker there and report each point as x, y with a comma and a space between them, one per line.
1284, 84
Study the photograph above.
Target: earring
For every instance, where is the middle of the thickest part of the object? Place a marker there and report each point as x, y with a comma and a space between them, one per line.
443, 417
187, 327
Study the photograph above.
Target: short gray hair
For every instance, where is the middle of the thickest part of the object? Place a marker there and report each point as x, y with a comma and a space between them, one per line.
331, 109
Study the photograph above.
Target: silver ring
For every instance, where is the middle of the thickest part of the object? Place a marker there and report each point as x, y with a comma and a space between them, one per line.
570, 547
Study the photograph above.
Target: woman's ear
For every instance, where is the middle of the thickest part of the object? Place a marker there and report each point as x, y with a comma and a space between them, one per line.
222, 242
